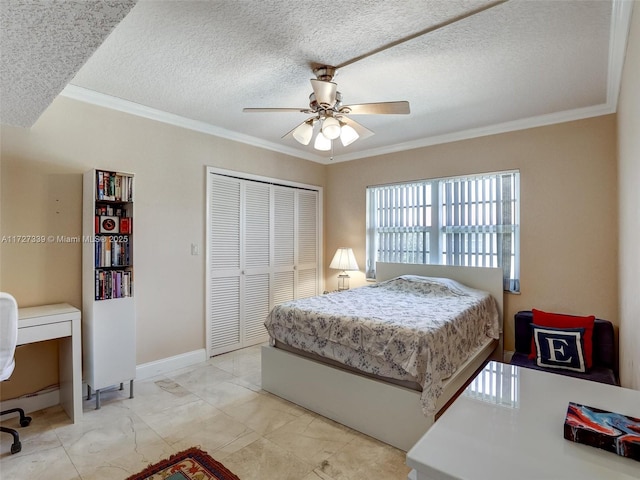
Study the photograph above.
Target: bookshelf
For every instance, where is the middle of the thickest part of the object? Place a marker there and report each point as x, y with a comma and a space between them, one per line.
108, 294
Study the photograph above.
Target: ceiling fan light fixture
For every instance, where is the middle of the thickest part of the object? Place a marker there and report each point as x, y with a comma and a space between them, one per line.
322, 142
348, 135
331, 128
303, 132
331, 119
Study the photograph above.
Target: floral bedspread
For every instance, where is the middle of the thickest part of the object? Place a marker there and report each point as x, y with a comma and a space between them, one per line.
408, 328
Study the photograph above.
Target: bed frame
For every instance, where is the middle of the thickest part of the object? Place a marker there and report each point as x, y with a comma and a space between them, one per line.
388, 412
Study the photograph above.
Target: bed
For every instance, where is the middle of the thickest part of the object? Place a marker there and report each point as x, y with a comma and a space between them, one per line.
387, 380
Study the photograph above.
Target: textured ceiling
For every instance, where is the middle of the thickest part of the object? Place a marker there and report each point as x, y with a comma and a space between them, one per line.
42, 46
201, 62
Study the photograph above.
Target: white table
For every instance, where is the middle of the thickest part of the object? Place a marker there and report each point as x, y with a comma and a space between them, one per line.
60, 321
514, 430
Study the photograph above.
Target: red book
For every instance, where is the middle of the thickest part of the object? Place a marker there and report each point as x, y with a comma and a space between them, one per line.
125, 225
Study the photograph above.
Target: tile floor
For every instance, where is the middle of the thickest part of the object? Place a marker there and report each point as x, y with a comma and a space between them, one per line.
217, 405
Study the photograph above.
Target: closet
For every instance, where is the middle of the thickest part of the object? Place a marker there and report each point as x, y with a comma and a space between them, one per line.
263, 248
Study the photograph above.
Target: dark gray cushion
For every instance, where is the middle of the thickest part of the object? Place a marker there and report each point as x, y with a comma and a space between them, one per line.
604, 356
595, 374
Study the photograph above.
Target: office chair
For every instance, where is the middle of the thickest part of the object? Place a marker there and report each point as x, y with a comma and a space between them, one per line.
8, 341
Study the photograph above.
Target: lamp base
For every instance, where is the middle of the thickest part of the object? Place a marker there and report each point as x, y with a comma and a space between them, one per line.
343, 281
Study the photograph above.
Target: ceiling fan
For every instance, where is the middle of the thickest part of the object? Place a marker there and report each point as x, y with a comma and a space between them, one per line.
330, 118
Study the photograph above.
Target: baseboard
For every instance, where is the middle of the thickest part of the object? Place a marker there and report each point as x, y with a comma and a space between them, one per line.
39, 401
507, 356
159, 367
32, 403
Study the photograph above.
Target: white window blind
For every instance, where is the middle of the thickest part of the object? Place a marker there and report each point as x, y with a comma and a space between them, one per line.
469, 221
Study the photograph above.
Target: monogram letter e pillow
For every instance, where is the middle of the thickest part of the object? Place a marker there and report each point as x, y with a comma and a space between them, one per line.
562, 341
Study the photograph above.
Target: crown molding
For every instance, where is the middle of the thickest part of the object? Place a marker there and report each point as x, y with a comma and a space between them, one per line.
523, 124
621, 11
620, 24
86, 95
89, 96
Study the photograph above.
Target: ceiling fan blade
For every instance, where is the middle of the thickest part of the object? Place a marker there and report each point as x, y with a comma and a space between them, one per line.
290, 132
382, 108
325, 92
363, 131
267, 110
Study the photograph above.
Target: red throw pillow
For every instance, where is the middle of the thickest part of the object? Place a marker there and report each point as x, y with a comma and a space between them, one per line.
557, 320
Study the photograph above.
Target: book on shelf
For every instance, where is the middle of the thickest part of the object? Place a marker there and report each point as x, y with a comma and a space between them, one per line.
115, 255
112, 284
112, 221
125, 225
118, 187
112, 252
100, 184
113, 226
113, 186
107, 251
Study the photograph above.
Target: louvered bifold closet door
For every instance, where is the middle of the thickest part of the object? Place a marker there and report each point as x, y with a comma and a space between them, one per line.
262, 247
284, 200
224, 264
307, 244
256, 263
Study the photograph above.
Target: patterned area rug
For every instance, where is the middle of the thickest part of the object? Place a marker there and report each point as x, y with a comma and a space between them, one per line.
192, 464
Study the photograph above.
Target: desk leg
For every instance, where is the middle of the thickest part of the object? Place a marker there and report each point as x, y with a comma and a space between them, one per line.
70, 376
131, 389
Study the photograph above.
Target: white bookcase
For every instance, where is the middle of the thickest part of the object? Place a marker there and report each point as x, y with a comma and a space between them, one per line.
108, 294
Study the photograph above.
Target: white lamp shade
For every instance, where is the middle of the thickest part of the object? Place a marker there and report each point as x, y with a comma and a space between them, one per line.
344, 259
348, 135
331, 128
303, 133
322, 142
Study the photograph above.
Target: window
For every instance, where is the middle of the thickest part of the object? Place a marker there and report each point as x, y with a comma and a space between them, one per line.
470, 221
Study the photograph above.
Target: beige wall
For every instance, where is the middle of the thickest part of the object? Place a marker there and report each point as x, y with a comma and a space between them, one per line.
629, 198
569, 213
42, 195
569, 244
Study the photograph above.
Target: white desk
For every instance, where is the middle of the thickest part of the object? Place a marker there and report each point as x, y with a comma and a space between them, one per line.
515, 430
61, 321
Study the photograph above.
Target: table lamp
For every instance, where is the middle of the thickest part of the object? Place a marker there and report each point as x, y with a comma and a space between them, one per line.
344, 260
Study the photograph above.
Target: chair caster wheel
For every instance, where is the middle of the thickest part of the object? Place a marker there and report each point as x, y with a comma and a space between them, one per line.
24, 422
16, 447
